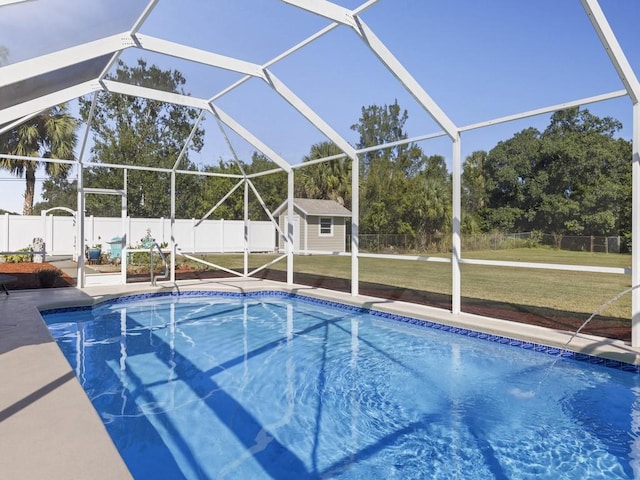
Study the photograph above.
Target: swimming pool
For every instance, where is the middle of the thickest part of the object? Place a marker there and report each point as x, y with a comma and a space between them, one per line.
269, 385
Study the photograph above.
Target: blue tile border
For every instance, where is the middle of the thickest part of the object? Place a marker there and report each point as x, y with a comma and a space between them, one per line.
552, 351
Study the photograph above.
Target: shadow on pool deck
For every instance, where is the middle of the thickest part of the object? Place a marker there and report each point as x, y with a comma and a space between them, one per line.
48, 428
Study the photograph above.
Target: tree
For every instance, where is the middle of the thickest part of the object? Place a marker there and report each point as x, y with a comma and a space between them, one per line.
474, 191
328, 180
51, 134
509, 170
573, 178
585, 169
427, 200
137, 131
382, 170
382, 125
403, 191
57, 192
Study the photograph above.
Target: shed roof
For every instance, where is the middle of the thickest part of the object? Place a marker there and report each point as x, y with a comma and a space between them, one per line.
313, 206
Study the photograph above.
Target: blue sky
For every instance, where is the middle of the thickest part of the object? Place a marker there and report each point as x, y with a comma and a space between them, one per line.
478, 60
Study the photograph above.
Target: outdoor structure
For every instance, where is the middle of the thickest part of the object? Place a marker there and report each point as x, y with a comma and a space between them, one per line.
318, 225
73, 66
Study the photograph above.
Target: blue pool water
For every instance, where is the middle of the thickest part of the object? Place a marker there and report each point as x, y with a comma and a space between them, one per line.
272, 386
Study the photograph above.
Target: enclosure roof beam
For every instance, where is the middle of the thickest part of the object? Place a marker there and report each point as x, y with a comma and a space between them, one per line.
153, 94
273, 170
346, 17
231, 149
397, 143
187, 142
43, 64
309, 114
17, 122
249, 137
220, 202
293, 49
326, 9
38, 104
37, 159
107, 68
105, 191
143, 16
308, 163
145, 168
543, 110
204, 57
87, 131
611, 45
201, 173
47, 63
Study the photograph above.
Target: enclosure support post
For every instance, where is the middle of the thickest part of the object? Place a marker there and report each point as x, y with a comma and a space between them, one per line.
125, 229
246, 227
288, 244
80, 227
456, 253
124, 213
355, 223
635, 229
632, 86
173, 221
80, 282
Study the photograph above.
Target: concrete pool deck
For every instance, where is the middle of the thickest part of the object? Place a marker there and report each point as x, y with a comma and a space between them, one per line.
48, 427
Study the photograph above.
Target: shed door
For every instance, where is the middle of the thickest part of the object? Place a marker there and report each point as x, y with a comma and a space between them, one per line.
296, 231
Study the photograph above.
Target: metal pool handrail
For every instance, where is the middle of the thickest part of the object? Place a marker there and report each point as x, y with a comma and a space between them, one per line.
164, 259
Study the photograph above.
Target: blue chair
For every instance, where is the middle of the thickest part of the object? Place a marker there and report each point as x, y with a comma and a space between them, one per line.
116, 249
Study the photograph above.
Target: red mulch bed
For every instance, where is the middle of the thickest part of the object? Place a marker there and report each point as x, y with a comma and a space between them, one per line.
602, 326
26, 277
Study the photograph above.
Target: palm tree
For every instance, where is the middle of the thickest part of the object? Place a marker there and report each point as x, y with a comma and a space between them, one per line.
328, 180
51, 134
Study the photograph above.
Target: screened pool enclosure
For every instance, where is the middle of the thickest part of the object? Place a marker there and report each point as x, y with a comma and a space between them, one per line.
255, 65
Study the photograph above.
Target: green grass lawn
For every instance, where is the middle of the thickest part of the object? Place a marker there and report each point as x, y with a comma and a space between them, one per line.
567, 291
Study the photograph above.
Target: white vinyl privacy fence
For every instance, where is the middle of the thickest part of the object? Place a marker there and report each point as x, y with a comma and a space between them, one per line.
59, 233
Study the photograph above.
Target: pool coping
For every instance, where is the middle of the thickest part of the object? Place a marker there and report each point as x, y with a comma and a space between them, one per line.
48, 427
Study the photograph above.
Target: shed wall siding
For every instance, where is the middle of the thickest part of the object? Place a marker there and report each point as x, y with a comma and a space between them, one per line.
334, 243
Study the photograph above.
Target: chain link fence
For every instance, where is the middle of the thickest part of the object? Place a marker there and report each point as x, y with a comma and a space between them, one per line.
407, 244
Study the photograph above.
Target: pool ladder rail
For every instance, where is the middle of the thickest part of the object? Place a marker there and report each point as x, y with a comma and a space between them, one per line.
165, 275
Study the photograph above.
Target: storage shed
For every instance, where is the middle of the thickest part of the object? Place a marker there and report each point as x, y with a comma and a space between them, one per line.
318, 225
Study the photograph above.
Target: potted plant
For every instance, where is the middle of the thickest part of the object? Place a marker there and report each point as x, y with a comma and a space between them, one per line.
48, 276
94, 252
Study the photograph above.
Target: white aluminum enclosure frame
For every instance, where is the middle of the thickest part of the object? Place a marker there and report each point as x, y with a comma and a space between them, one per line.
113, 45
632, 87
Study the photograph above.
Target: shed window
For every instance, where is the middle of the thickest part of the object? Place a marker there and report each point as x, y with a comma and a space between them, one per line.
326, 226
